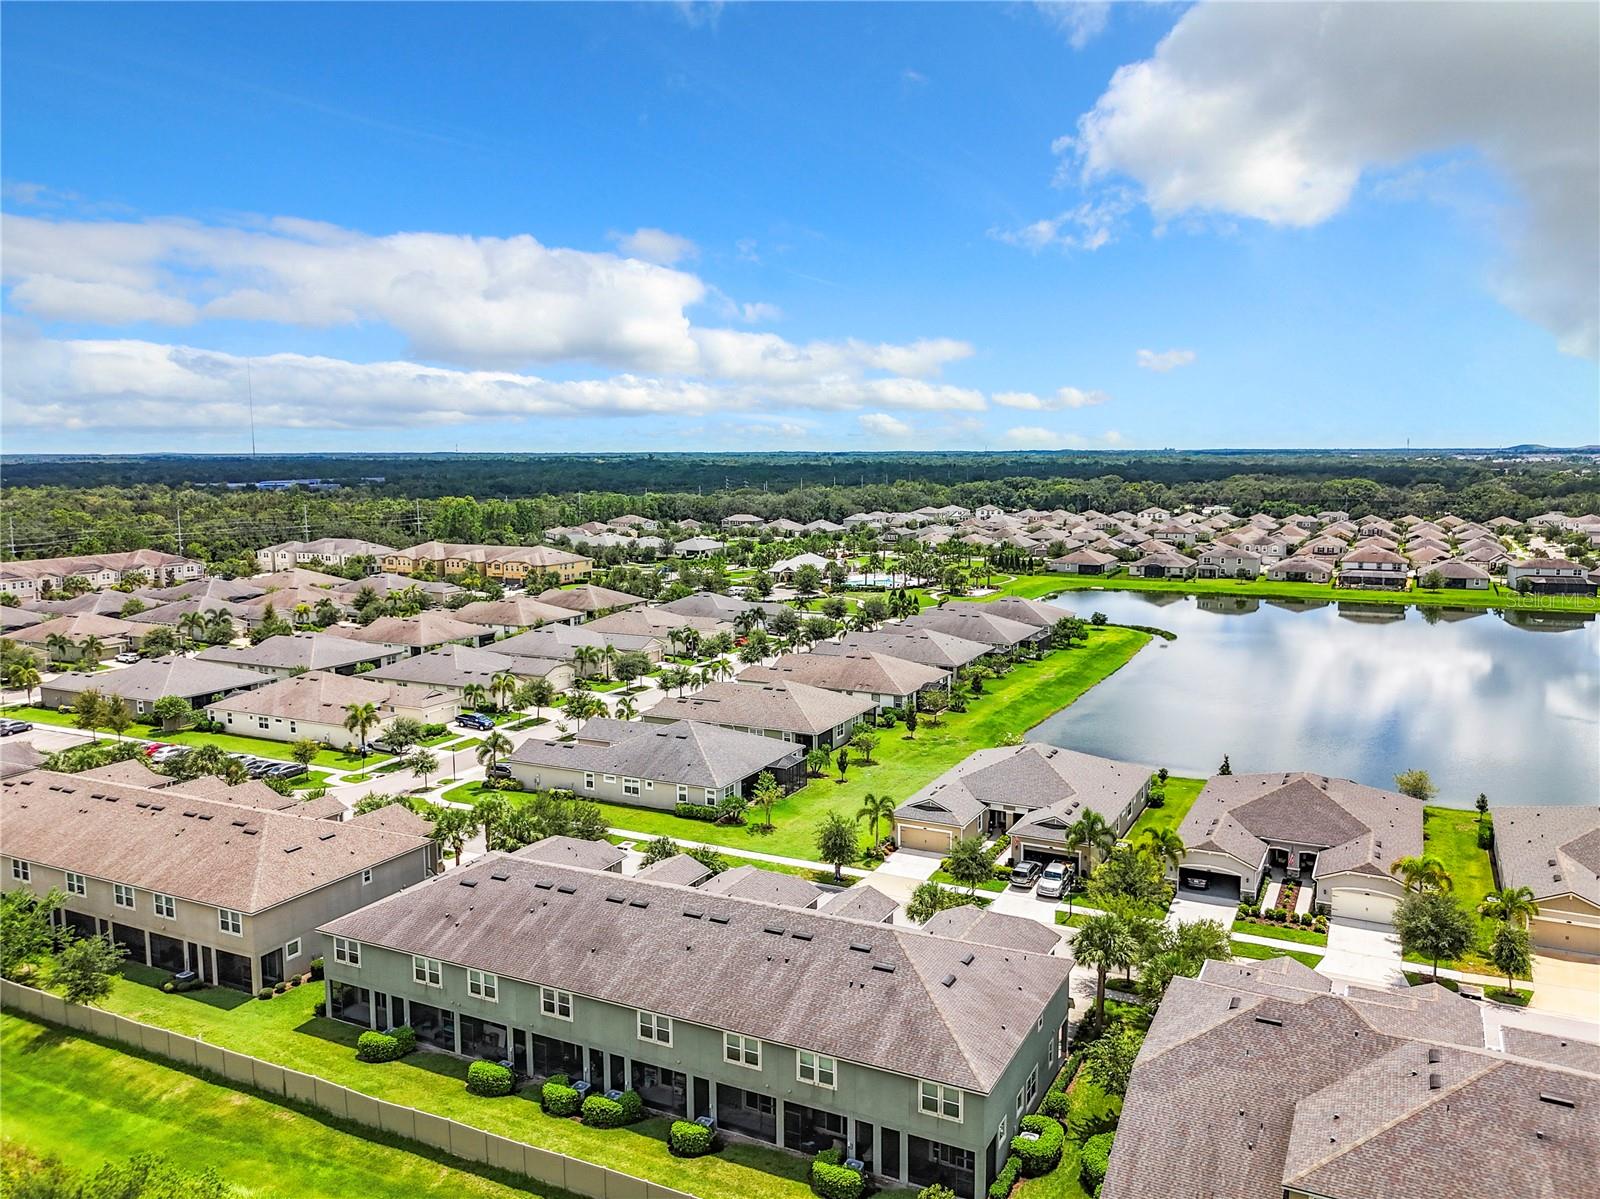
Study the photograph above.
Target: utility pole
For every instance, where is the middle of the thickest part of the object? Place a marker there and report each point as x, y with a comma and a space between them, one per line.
180, 530
305, 521
11, 534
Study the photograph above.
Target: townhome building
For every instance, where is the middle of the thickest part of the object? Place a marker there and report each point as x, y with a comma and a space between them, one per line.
980, 622
514, 614
38, 577
944, 651
230, 892
886, 681
811, 717
290, 653
1554, 851
914, 1053
144, 683
503, 563
454, 668
334, 551
313, 706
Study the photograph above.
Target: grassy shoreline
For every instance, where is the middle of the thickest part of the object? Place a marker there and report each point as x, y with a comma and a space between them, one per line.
1263, 588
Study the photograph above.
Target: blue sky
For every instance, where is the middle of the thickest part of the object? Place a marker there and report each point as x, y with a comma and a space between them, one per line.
797, 226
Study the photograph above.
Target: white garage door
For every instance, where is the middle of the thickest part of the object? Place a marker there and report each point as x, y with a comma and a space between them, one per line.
1355, 904
910, 837
1572, 938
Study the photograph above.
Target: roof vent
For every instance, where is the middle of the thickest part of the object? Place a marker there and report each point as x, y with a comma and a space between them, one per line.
235, 823
694, 915
467, 882
798, 936
542, 885
1269, 1020
860, 948
1435, 1057
500, 876
1233, 1004
1558, 1100
567, 889
949, 980
775, 929
886, 967
250, 832
719, 920
291, 849
967, 959
638, 903
614, 898
206, 815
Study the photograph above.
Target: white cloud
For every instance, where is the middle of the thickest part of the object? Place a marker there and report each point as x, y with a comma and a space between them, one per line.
1165, 360
1277, 111
747, 249
656, 245
756, 311
132, 384
1112, 437
1034, 437
1085, 226
1065, 397
912, 78
884, 425
1081, 21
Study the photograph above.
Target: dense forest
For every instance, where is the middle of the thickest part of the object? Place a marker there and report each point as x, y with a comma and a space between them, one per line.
58, 505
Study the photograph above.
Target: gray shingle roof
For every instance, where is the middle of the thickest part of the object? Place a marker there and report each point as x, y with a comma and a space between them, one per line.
314, 651
969, 922
171, 675
450, 666
928, 646
698, 755
571, 851
720, 966
786, 707
770, 886
879, 674
1552, 849
861, 902
974, 623
680, 870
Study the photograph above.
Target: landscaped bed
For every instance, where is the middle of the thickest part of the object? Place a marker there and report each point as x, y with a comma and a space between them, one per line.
1281, 932
1249, 949
1518, 997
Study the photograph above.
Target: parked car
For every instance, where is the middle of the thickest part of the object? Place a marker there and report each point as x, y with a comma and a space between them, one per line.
9, 727
127, 656
1026, 874
498, 771
1053, 882
154, 748
285, 770
475, 720
168, 752
381, 746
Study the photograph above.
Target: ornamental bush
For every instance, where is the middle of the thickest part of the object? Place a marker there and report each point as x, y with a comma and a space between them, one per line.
687, 1139
558, 1097
320, 1008
600, 1112
632, 1107
936, 1190
1093, 1160
264, 993
1042, 1155
406, 1037
1055, 1104
373, 1046
1007, 1178
696, 811
489, 1079
833, 1181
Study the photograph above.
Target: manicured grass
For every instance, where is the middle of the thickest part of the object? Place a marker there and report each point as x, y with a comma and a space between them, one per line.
1261, 928
1013, 704
1519, 997
474, 791
87, 1103
1181, 794
284, 1030
945, 877
1497, 597
1451, 834
1061, 1183
1247, 949
1072, 919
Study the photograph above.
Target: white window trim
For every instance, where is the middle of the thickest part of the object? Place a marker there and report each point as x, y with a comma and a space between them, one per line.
226, 925
366, 876
21, 871
428, 972
551, 1002
292, 950
165, 906
817, 1069
736, 1047
481, 984
121, 892
77, 884
657, 1023
940, 1095
347, 952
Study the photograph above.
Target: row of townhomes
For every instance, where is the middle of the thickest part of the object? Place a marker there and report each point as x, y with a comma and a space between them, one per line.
914, 1051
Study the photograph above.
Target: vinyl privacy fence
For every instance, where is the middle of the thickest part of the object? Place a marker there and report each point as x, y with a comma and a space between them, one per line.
458, 1140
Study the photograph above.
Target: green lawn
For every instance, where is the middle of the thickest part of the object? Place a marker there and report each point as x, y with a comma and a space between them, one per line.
1262, 588
1247, 949
945, 877
284, 1030
1181, 794
87, 1103
1013, 704
1451, 834
1261, 928
1519, 997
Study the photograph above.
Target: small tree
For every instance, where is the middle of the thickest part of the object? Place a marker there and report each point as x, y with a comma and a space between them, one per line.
1108, 1062
817, 761
85, 971
1434, 925
451, 829
1415, 783
86, 711
843, 761
1104, 943
659, 850
864, 741
929, 899
969, 863
26, 933
911, 722
360, 719
174, 712
765, 793
875, 808
837, 845
422, 762
305, 751
116, 715
1226, 767
934, 703
490, 812
1511, 952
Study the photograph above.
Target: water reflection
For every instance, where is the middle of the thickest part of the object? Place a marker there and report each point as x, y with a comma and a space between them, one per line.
1358, 690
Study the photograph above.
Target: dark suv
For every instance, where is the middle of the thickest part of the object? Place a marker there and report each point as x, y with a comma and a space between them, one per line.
475, 720
1025, 874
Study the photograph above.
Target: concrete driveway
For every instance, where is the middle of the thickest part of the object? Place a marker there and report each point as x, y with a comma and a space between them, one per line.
1188, 907
1362, 952
1567, 985
915, 864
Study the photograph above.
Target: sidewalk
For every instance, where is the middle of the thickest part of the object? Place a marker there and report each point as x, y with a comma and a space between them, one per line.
801, 863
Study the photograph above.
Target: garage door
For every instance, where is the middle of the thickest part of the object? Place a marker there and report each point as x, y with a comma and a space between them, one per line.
1355, 904
1571, 938
1044, 856
911, 837
1210, 883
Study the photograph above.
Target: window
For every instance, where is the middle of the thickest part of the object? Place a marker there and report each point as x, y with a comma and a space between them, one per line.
741, 1051
482, 985
683, 793
122, 896
427, 971
555, 1003
588, 780
291, 950
655, 1028
711, 795
347, 953
366, 876
1030, 1090
166, 906
230, 922
611, 778
630, 786
77, 884
21, 871
941, 1101
816, 1069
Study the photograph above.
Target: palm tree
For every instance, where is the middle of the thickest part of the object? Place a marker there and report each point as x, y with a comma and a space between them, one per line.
490, 749
24, 675
503, 686
490, 810
540, 694
91, 649
676, 676
58, 645
475, 695
361, 719
586, 658
191, 627
1422, 872
301, 613
219, 627
625, 708
1104, 943
608, 658
1093, 835
451, 828
1513, 905
873, 809
1165, 845
818, 760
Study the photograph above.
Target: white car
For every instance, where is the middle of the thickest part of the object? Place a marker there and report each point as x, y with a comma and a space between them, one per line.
1053, 882
127, 658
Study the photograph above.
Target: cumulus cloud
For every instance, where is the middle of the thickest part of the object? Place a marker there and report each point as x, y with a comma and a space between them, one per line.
134, 384
884, 425
1277, 112
1034, 437
656, 245
479, 302
1164, 360
1079, 21
1085, 226
1065, 397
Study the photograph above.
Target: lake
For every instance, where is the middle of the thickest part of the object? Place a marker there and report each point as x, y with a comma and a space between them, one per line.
1507, 704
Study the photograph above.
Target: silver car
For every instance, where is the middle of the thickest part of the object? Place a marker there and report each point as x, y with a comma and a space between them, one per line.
1053, 882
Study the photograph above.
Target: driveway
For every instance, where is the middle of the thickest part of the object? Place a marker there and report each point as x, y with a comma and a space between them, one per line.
1362, 952
1027, 904
1568, 985
916, 864
1188, 907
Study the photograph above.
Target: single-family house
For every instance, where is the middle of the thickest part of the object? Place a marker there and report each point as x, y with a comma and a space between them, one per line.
1554, 851
812, 717
313, 706
886, 681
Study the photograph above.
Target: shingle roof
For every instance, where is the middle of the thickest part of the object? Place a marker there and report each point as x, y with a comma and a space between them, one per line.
192, 848
928, 646
861, 902
286, 651
155, 677
680, 870
769, 886
450, 666
877, 673
424, 629
253, 793
788, 707
572, 851
587, 597
969, 922
973, 622
697, 755
1552, 849
318, 696
628, 941
521, 612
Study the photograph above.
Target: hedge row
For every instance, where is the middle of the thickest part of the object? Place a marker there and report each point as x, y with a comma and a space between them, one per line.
1041, 1155
1093, 1161
696, 811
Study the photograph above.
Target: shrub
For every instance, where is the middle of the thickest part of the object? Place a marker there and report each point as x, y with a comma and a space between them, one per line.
632, 1106
280, 988
834, 1181
936, 1190
600, 1112
296, 981
489, 1079
264, 993
696, 811
372, 1046
687, 1139
1042, 1155
406, 1037
1093, 1160
1157, 799
316, 969
1055, 1104
557, 1098
1007, 1178
320, 1008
